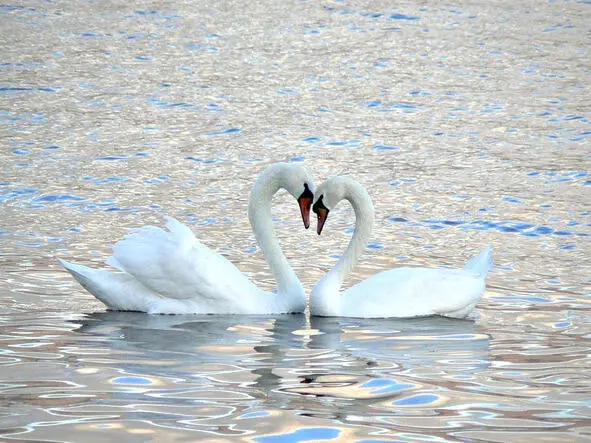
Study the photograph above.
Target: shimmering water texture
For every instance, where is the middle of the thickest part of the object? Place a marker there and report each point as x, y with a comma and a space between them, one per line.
469, 124
283, 378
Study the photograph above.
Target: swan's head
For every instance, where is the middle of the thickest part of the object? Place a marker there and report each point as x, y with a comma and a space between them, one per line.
327, 196
296, 180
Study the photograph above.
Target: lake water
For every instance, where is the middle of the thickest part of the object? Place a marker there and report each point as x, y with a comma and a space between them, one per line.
468, 123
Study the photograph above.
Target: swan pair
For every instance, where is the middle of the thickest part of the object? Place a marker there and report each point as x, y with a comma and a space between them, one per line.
170, 272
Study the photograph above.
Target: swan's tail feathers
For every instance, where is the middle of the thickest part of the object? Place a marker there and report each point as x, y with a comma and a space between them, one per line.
117, 290
79, 272
481, 263
87, 277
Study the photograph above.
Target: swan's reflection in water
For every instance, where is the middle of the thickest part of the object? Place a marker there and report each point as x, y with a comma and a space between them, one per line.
324, 345
433, 342
128, 375
208, 372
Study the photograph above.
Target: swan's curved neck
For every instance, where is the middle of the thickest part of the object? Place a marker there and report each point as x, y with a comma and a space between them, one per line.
259, 214
325, 296
360, 200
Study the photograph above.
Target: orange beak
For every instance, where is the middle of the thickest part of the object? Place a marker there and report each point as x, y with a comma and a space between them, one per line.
322, 216
322, 212
305, 203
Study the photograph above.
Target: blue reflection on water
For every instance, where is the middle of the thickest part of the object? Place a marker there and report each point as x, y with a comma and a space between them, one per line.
21, 152
423, 399
17, 89
306, 434
16, 193
255, 414
398, 16
523, 228
385, 148
198, 47
132, 380
113, 158
223, 132
386, 385
157, 180
58, 198
204, 161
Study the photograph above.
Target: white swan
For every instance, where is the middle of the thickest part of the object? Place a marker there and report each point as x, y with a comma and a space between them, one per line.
399, 292
171, 272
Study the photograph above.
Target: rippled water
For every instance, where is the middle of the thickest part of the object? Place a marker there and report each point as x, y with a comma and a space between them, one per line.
468, 123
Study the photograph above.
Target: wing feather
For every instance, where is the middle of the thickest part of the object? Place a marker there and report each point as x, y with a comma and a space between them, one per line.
173, 263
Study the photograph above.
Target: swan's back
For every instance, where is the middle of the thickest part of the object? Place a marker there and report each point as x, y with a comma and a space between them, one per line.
414, 292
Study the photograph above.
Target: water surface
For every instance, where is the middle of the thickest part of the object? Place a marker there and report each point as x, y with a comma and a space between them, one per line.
469, 124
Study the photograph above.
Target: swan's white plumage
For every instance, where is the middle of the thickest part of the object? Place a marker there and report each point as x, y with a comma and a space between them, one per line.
413, 292
399, 292
480, 264
173, 263
169, 271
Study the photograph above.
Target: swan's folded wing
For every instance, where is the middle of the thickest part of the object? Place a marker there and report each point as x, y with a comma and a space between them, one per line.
413, 292
175, 264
